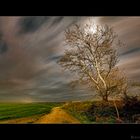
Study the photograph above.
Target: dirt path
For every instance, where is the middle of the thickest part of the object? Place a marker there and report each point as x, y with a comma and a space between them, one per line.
57, 116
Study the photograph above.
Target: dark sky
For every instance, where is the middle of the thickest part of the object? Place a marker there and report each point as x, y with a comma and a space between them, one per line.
31, 46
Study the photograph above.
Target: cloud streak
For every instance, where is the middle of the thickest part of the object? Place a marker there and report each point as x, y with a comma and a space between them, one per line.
30, 47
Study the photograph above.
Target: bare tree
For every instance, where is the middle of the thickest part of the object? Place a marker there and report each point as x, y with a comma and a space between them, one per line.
92, 54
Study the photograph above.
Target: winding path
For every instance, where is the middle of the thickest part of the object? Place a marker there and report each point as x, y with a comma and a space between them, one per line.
57, 116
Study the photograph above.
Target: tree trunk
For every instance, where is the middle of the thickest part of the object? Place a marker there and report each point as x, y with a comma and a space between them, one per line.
105, 98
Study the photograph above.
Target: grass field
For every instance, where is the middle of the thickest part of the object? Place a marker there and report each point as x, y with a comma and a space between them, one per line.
19, 110
77, 109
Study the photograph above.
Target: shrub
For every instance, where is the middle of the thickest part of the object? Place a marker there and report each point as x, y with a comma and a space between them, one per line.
101, 110
131, 107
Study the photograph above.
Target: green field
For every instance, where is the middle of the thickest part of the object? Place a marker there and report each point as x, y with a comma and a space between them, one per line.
19, 110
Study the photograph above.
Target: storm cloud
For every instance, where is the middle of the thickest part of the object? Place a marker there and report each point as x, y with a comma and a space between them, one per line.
128, 30
30, 47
